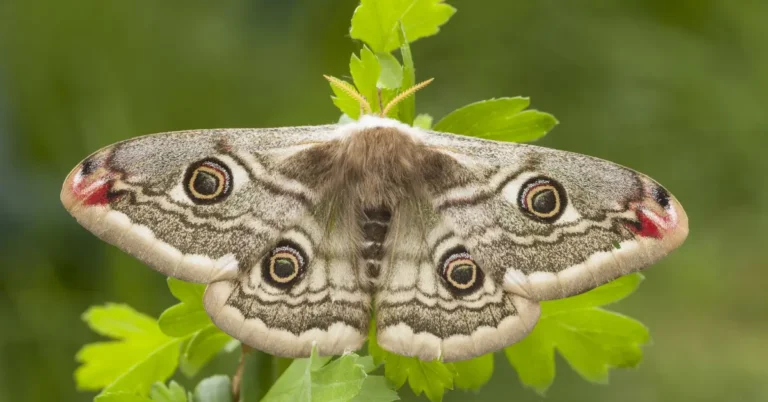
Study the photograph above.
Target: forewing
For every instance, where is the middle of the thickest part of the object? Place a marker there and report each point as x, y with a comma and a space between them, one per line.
136, 195
606, 220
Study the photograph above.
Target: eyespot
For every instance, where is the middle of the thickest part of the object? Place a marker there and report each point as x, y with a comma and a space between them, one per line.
208, 181
542, 198
460, 271
283, 264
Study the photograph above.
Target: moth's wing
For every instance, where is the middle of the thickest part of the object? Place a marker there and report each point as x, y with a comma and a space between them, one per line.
136, 195
323, 305
419, 312
611, 220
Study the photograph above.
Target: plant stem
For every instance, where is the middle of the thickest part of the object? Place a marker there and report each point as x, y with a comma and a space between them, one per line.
238, 377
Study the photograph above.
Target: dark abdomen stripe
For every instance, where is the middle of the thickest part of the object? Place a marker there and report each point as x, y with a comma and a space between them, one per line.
374, 224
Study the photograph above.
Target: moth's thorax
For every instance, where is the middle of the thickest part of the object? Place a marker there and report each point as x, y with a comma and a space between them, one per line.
379, 166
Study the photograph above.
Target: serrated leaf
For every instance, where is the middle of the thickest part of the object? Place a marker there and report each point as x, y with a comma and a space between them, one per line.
375, 389
159, 365
500, 119
214, 389
431, 378
473, 373
423, 121
119, 321
391, 76
534, 360
365, 72
201, 348
592, 340
322, 379
340, 380
375, 22
173, 393
609, 293
121, 397
189, 315
131, 365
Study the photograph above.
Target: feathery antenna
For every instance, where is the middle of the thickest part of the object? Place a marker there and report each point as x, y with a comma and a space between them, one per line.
351, 91
408, 92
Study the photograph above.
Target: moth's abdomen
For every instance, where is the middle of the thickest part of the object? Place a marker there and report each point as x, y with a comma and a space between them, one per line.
374, 224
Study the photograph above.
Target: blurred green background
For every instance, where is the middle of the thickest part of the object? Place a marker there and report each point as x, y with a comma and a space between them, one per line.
674, 88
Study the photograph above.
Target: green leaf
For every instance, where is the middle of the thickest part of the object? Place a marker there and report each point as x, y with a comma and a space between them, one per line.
407, 107
500, 119
375, 22
431, 378
375, 389
188, 316
339, 380
315, 379
201, 348
214, 389
391, 76
592, 340
143, 356
187, 292
534, 360
183, 319
474, 373
173, 393
365, 74
348, 105
121, 397
423, 120
609, 293
118, 321
367, 363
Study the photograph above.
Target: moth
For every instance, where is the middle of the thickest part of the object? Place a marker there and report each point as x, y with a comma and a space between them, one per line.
302, 233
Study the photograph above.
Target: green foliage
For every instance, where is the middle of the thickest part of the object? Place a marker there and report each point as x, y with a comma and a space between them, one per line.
140, 355
324, 380
146, 352
201, 348
473, 374
171, 393
376, 22
365, 72
431, 378
188, 316
498, 119
189, 320
591, 340
423, 121
214, 389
